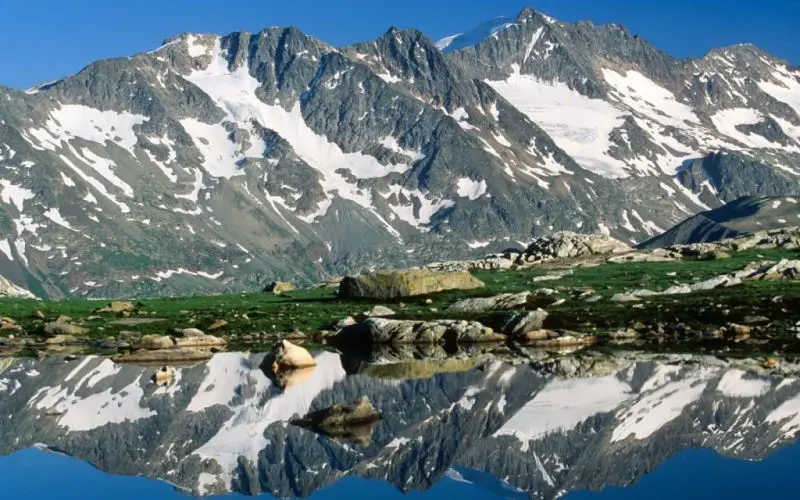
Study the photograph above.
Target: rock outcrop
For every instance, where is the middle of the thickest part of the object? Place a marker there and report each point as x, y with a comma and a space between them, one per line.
12, 291
395, 331
565, 244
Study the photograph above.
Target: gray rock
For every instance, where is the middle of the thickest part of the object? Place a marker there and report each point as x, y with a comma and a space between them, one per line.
379, 311
520, 325
497, 302
391, 331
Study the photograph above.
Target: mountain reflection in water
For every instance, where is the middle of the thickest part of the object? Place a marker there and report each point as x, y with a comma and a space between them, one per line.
221, 427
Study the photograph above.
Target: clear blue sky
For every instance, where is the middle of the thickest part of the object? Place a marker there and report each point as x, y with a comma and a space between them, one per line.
45, 39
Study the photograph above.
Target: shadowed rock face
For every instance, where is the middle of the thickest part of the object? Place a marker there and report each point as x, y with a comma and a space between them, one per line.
224, 163
222, 426
744, 216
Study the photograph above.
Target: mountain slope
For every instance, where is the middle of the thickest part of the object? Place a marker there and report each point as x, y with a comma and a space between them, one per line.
216, 163
738, 218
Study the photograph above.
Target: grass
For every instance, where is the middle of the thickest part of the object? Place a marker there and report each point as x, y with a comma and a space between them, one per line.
313, 310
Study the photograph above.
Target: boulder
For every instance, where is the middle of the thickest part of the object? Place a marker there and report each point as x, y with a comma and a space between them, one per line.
345, 322
352, 421
393, 331
9, 325
62, 327
379, 312
279, 287
288, 355
116, 307
385, 285
153, 342
520, 325
497, 302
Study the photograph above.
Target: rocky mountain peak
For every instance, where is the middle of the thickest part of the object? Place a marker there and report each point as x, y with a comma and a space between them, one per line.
275, 156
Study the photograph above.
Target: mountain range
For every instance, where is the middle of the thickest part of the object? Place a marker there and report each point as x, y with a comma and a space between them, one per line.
222, 426
219, 163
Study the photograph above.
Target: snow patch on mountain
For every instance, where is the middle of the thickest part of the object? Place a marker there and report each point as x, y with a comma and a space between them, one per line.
474, 36
234, 92
579, 125
74, 120
468, 188
11, 193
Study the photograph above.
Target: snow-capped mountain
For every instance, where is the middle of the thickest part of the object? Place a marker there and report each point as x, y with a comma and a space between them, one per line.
223, 426
219, 162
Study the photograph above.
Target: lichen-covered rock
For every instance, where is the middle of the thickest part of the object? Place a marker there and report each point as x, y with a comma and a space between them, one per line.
116, 307
497, 302
395, 284
153, 342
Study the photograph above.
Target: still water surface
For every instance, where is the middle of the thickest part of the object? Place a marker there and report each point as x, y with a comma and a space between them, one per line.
88, 428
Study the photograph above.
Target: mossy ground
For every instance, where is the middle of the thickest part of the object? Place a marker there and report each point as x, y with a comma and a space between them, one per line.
312, 310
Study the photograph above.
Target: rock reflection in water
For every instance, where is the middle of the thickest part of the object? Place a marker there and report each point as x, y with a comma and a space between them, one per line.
223, 425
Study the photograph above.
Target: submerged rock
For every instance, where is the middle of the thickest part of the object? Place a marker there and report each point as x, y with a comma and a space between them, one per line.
384, 285
164, 375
